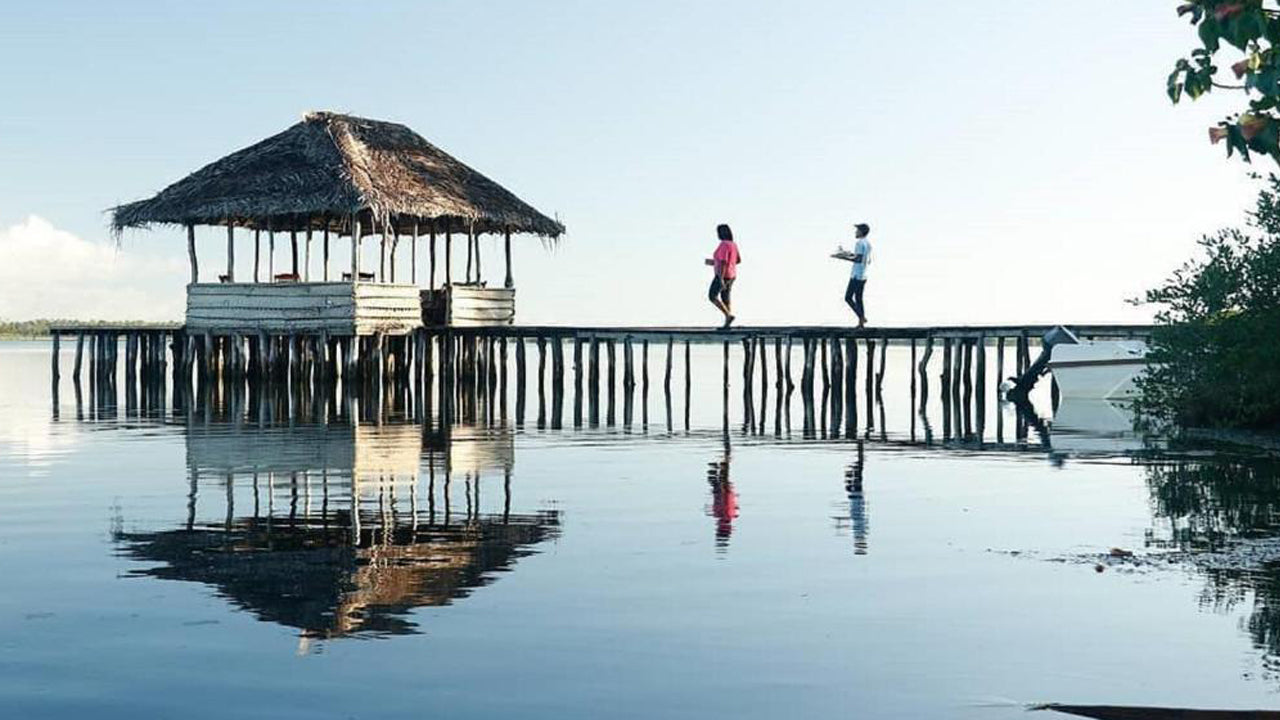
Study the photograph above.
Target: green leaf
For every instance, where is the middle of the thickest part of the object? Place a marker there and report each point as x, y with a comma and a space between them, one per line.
1208, 32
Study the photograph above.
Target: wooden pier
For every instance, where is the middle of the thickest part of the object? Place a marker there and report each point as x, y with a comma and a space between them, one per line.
462, 373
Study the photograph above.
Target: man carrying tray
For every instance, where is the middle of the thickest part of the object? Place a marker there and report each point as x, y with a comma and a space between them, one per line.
861, 258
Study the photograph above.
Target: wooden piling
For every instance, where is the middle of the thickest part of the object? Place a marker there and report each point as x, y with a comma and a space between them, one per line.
826, 378
666, 378
762, 345
542, 373
520, 379
628, 367
912, 371
851, 387
957, 381
557, 383
725, 387
593, 381
947, 350
790, 385
871, 373
57, 348
923, 370
884, 350
1000, 361
806, 376
688, 382
542, 392
644, 381
611, 349
981, 382
779, 379
577, 382
968, 371
131, 357
75, 371
837, 385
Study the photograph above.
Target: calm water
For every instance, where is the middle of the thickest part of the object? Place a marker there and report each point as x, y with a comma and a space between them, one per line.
230, 567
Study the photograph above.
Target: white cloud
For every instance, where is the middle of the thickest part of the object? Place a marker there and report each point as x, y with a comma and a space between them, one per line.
50, 273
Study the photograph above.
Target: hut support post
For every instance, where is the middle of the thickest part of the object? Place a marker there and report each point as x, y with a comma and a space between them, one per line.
509, 282
191, 254
382, 257
413, 255
471, 236
394, 247
293, 249
257, 255
448, 257
306, 264
325, 275
231, 253
432, 235
355, 249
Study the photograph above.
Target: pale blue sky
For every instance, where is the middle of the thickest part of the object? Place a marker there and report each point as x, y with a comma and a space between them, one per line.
1018, 161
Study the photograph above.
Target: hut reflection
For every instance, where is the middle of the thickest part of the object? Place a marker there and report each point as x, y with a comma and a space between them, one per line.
324, 528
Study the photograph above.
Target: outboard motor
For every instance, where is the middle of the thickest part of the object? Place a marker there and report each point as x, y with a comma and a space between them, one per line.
1024, 383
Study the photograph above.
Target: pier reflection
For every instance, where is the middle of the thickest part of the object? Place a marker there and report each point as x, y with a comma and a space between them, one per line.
333, 529
840, 396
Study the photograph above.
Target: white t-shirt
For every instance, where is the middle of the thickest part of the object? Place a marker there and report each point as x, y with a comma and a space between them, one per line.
863, 248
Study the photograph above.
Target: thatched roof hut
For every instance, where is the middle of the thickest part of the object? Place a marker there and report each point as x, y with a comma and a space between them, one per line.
321, 171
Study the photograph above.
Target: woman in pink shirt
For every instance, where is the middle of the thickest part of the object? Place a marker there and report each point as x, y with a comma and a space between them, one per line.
725, 260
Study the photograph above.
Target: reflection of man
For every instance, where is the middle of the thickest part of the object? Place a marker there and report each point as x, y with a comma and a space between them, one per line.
857, 502
724, 501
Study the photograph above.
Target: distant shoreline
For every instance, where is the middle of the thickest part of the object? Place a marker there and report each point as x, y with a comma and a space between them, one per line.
39, 329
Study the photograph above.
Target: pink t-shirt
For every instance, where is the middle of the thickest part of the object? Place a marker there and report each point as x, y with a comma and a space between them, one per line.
727, 257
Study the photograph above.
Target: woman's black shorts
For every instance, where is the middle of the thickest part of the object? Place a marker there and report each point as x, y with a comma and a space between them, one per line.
720, 289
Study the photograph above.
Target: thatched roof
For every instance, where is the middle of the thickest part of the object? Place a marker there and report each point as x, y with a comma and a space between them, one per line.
319, 172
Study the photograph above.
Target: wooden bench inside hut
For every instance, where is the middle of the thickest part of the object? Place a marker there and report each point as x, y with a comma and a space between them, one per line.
336, 178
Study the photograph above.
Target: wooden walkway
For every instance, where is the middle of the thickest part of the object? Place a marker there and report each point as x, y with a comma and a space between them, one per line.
461, 359
696, 335
737, 333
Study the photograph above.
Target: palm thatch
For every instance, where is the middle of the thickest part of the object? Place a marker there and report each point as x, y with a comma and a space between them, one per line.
330, 167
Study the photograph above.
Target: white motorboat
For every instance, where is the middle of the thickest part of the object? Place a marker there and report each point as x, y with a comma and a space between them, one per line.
1103, 369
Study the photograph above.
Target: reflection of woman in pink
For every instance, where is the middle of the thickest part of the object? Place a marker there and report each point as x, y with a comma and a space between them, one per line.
724, 501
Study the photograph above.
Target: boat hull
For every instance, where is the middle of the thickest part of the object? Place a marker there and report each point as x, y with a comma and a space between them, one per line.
1105, 370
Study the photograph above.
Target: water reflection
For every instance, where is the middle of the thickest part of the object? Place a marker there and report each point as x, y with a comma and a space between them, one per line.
325, 528
339, 513
1228, 507
724, 498
857, 501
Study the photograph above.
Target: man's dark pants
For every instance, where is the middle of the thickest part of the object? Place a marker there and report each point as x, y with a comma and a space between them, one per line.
853, 296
